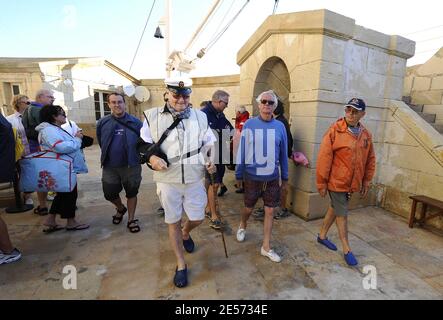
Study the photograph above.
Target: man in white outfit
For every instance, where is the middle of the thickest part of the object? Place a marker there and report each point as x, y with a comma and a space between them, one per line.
179, 166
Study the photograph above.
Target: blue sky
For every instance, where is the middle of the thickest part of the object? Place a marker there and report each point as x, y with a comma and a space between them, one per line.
112, 28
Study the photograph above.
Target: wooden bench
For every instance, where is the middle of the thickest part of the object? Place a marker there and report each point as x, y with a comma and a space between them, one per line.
426, 202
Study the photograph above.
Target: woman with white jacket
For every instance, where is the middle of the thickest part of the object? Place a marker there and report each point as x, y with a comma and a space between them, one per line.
53, 138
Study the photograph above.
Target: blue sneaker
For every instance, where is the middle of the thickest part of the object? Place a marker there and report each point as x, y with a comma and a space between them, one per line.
189, 245
328, 244
350, 259
181, 278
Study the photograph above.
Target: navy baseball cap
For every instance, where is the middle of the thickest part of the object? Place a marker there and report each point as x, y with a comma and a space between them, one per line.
179, 85
357, 104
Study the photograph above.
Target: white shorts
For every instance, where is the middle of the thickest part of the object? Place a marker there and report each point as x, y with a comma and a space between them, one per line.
176, 198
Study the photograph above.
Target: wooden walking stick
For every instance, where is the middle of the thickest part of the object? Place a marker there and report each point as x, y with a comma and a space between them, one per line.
212, 179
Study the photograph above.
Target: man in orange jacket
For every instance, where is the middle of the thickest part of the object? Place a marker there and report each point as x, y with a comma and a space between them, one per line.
345, 165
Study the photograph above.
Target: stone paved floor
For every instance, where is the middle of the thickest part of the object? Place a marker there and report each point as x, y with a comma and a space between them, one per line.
114, 264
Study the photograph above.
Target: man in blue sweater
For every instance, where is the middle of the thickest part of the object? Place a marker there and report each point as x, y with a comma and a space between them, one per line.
263, 151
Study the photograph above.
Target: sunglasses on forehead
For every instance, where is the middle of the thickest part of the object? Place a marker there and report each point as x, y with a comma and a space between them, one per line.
267, 102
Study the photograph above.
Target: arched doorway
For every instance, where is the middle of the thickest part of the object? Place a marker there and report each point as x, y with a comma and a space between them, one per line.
273, 75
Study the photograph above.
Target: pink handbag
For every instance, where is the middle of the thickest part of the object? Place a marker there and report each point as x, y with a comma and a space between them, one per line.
300, 159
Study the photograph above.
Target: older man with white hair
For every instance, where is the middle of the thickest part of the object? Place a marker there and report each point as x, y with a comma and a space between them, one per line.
177, 138
263, 151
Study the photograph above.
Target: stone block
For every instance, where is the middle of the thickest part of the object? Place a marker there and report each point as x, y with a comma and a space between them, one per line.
333, 50
303, 179
394, 88
376, 128
429, 138
356, 57
317, 95
431, 184
402, 45
398, 202
365, 83
396, 134
437, 83
332, 77
422, 84
435, 109
378, 61
311, 129
407, 86
311, 50
314, 109
372, 37
397, 66
398, 178
308, 206
413, 158
306, 77
427, 97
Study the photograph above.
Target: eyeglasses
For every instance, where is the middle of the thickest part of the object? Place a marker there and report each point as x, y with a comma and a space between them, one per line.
268, 102
352, 111
61, 114
50, 97
26, 102
177, 96
226, 103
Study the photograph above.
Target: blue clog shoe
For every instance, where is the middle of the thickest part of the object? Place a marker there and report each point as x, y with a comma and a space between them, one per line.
189, 245
328, 244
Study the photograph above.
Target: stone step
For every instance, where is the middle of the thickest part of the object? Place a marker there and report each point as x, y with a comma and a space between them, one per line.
416, 107
430, 118
438, 127
407, 99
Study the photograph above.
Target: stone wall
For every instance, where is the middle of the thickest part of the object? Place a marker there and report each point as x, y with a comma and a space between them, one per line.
410, 162
424, 84
328, 59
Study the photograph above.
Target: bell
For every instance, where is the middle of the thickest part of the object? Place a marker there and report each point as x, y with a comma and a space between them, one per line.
158, 33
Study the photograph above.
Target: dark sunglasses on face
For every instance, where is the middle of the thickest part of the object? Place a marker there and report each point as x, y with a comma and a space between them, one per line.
26, 102
268, 102
177, 96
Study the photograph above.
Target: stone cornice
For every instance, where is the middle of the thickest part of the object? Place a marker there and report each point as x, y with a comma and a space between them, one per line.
328, 23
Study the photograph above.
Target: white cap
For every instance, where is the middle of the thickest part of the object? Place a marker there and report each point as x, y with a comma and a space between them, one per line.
179, 83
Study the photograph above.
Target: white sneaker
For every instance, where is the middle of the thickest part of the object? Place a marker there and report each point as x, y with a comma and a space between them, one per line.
271, 255
9, 258
241, 234
29, 201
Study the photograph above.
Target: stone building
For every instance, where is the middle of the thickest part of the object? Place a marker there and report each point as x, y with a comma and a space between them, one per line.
316, 61
79, 84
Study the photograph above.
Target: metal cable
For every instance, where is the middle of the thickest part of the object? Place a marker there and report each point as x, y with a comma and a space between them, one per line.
217, 37
141, 38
